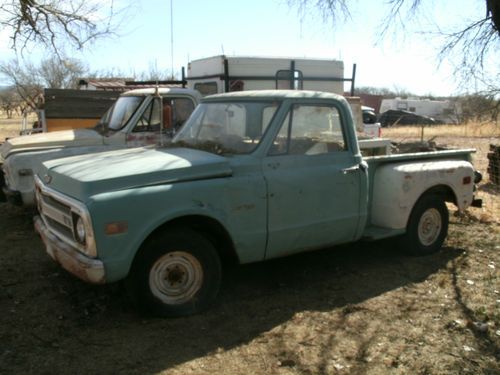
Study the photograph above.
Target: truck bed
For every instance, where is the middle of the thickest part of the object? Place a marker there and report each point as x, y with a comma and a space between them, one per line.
372, 232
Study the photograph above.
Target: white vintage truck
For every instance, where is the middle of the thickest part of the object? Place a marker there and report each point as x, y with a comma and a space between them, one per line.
138, 117
251, 176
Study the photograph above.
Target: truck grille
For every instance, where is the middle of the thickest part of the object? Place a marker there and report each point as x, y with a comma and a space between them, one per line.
57, 215
60, 214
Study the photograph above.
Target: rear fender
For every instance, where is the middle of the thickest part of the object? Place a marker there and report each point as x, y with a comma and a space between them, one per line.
397, 187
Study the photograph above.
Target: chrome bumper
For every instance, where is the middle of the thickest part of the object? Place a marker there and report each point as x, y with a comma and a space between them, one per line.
85, 268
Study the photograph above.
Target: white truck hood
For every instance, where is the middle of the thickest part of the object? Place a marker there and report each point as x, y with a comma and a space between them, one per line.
65, 138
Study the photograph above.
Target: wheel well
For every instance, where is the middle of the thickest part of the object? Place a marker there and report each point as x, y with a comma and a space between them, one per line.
208, 227
442, 191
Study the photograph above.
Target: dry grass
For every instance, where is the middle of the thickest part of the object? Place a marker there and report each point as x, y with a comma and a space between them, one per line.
9, 128
471, 129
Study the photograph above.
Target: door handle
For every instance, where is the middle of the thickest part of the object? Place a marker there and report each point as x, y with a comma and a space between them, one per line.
350, 170
363, 166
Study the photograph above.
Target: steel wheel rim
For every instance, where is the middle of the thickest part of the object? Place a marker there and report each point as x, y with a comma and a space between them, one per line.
176, 277
429, 226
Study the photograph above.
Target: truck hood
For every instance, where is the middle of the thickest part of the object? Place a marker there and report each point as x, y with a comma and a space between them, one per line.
64, 138
86, 175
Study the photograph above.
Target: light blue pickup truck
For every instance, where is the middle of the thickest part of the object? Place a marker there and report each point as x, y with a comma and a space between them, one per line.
250, 176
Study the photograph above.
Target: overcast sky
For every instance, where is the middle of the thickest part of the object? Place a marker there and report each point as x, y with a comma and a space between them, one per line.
405, 60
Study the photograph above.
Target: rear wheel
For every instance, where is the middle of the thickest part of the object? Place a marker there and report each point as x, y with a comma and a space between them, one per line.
175, 273
427, 226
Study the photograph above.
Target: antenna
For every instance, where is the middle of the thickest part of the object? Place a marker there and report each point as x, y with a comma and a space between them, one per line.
172, 37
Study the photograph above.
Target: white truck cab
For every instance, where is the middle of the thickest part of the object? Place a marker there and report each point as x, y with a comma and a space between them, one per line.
139, 117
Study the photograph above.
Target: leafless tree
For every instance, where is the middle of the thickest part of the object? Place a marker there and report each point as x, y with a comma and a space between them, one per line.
9, 101
56, 24
469, 47
29, 79
155, 74
479, 108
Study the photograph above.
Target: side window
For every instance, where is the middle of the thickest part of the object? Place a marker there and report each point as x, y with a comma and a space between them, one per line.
150, 118
310, 130
223, 121
181, 109
285, 77
206, 88
402, 105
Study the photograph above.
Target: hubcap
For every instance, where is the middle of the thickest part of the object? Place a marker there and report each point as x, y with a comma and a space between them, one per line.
429, 226
176, 277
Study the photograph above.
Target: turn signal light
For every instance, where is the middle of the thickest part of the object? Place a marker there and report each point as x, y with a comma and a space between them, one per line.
116, 228
467, 180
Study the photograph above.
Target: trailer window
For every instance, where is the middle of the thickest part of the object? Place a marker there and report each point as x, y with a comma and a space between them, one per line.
402, 105
289, 80
206, 88
310, 130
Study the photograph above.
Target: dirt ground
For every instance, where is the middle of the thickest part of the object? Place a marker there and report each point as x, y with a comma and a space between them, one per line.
358, 309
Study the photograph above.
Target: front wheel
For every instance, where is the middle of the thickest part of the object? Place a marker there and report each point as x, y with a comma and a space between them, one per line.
175, 273
427, 226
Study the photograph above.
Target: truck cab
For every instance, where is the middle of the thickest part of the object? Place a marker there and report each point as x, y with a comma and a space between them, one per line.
139, 117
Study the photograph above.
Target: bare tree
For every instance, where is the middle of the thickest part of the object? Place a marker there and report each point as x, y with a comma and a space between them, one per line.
61, 74
54, 23
9, 101
30, 79
469, 47
155, 74
479, 108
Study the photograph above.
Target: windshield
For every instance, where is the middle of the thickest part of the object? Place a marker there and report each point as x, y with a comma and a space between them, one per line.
119, 114
226, 128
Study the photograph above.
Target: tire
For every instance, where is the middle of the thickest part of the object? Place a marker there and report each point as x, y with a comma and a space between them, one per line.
175, 273
427, 226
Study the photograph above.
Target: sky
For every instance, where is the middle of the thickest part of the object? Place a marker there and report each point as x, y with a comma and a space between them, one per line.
402, 60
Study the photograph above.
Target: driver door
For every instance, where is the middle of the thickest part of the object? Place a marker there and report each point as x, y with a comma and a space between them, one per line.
313, 182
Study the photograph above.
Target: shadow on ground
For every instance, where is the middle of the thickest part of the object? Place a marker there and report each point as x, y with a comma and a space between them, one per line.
53, 323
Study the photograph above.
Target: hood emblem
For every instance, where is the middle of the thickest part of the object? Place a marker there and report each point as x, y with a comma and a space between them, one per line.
47, 179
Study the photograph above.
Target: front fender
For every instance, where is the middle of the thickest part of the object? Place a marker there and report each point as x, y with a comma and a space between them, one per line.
144, 210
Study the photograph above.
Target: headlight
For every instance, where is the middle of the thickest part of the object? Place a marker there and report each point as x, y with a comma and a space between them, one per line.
80, 233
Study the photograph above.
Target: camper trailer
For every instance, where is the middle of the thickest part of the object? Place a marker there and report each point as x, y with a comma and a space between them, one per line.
219, 74
443, 111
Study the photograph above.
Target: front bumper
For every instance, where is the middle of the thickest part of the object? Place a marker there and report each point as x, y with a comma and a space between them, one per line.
83, 267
